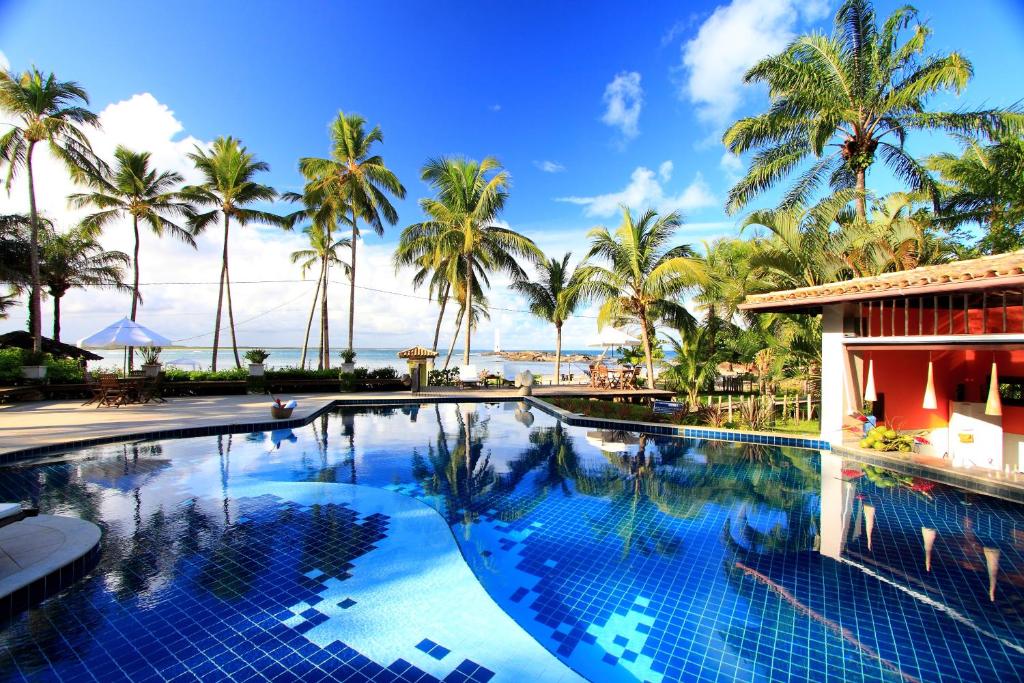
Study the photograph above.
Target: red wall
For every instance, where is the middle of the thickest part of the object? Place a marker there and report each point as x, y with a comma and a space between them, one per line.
901, 375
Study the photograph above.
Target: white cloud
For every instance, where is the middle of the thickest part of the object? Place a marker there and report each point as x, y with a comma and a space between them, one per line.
624, 99
495, 107
646, 189
732, 40
549, 166
5, 63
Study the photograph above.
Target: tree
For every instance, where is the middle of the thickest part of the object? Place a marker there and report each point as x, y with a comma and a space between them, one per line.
322, 251
695, 362
462, 221
358, 179
229, 187
51, 112
76, 260
133, 188
555, 295
644, 276
984, 185
859, 92
14, 257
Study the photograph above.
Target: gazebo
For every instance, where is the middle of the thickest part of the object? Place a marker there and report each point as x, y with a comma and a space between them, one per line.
938, 349
421, 362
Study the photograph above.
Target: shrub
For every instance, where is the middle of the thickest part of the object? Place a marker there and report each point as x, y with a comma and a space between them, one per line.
64, 370
443, 378
10, 365
758, 413
176, 375
150, 354
301, 373
256, 356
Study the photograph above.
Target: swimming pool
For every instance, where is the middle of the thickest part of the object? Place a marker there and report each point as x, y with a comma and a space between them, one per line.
291, 554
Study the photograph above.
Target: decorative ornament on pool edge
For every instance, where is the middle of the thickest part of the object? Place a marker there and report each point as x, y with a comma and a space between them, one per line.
929, 402
869, 386
994, 405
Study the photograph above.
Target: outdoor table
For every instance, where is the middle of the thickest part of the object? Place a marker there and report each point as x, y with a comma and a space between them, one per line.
132, 387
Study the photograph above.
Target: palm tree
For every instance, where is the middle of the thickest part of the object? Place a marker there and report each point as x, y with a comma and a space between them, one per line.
228, 171
462, 221
14, 256
556, 294
133, 188
644, 276
44, 110
418, 248
696, 361
322, 251
859, 92
75, 259
358, 179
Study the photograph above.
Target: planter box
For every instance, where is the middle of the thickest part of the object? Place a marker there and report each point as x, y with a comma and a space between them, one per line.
348, 367
151, 370
256, 369
33, 371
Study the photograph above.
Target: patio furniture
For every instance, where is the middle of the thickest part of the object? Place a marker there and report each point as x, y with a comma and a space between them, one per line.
600, 378
14, 512
469, 375
110, 392
153, 390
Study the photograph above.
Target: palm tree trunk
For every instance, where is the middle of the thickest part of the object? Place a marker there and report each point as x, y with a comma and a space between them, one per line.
455, 336
325, 328
231, 316
647, 348
309, 323
352, 283
56, 318
469, 308
862, 200
440, 316
220, 295
36, 298
135, 287
558, 353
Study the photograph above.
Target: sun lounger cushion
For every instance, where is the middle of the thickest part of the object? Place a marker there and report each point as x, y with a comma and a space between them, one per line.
668, 407
469, 373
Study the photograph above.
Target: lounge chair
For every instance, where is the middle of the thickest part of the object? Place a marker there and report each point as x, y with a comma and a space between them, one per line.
469, 375
14, 512
110, 392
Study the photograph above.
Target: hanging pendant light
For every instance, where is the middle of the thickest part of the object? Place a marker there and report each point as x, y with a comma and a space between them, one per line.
929, 402
994, 405
869, 386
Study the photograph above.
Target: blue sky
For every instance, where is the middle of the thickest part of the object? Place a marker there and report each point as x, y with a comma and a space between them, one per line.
583, 102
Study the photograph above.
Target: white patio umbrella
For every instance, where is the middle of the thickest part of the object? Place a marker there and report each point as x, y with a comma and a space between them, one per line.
612, 440
612, 337
122, 334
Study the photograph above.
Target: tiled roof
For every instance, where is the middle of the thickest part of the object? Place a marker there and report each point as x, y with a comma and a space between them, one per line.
987, 272
417, 352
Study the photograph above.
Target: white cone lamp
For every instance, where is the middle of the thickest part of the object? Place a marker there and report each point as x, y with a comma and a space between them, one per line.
929, 402
869, 385
994, 405
928, 536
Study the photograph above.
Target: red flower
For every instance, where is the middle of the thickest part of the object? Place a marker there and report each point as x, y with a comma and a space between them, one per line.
277, 402
922, 485
862, 418
852, 474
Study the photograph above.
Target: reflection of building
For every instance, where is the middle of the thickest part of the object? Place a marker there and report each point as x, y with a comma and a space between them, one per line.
953, 322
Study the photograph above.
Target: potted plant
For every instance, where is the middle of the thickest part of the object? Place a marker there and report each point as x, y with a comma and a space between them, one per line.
33, 365
348, 358
150, 360
256, 357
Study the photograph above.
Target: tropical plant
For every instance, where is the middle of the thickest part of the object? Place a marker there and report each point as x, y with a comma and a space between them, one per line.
983, 185
14, 250
462, 222
76, 260
644, 276
858, 92
348, 355
555, 295
695, 361
323, 251
256, 356
228, 188
355, 179
51, 112
150, 354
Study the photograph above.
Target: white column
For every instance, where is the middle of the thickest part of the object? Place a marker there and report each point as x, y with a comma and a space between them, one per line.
833, 374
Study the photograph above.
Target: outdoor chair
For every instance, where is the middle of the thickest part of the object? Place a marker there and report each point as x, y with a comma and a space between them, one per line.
110, 392
93, 386
469, 375
601, 380
14, 512
153, 390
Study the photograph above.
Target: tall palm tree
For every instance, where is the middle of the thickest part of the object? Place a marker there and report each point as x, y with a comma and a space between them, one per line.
859, 92
14, 257
323, 252
228, 188
419, 250
133, 188
695, 362
644, 276
556, 294
44, 110
75, 259
357, 178
462, 221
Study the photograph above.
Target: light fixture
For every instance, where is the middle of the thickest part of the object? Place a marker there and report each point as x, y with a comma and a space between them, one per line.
869, 386
929, 402
994, 405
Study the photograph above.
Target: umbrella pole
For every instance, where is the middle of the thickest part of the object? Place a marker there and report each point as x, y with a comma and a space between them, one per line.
125, 370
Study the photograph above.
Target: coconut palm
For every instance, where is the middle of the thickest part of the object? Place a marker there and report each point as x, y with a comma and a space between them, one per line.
42, 110
695, 362
644, 276
323, 252
463, 221
356, 178
838, 101
418, 248
75, 259
555, 295
134, 188
228, 188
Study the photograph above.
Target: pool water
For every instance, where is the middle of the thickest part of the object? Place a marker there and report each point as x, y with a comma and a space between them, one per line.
631, 558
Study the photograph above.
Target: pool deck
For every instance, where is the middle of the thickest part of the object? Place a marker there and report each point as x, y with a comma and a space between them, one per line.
42, 424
